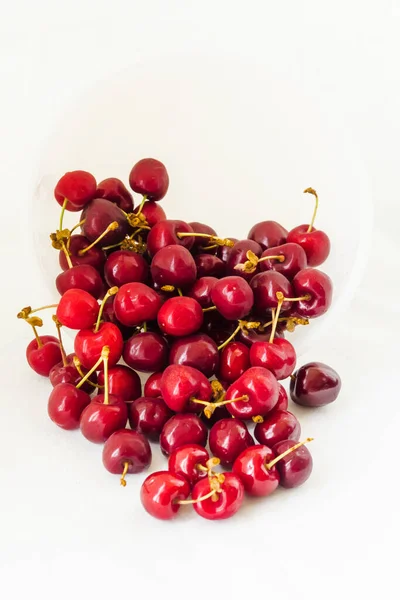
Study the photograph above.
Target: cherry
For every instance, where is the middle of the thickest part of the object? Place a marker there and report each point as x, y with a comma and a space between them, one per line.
292, 260
278, 356
125, 266
82, 277
77, 188
149, 415
224, 252
152, 387
280, 425
123, 383
181, 384
251, 466
315, 243
77, 309
251, 336
147, 351
219, 411
223, 503
268, 234
235, 360
161, 492
261, 388
265, 286
173, 266
283, 400
315, 384
126, 451
42, 353
180, 316
149, 177
152, 212
89, 342
66, 404
182, 429
135, 303
201, 291
228, 438
198, 351
113, 189
209, 265
66, 371
100, 418
94, 257
201, 244
318, 287
238, 256
190, 462
294, 468
99, 217
109, 316
233, 297
164, 233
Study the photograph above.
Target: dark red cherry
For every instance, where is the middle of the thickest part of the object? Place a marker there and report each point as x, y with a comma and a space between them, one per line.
278, 356
228, 438
68, 373
265, 286
123, 383
94, 257
180, 384
164, 233
108, 315
124, 266
147, 352
161, 492
318, 286
99, 420
149, 177
66, 404
149, 415
201, 291
98, 215
238, 257
136, 303
182, 429
228, 500
295, 468
261, 388
82, 277
251, 468
113, 189
78, 187
235, 360
77, 309
315, 384
180, 316
233, 297
173, 265
315, 243
198, 351
89, 343
224, 252
44, 354
153, 212
293, 259
186, 460
126, 451
209, 265
152, 387
268, 234
280, 425
251, 336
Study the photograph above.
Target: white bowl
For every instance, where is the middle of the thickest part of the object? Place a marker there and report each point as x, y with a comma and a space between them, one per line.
240, 143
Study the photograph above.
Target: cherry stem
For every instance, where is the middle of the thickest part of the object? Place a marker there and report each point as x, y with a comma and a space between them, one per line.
112, 246
299, 299
205, 497
76, 226
111, 292
257, 419
279, 257
168, 288
78, 367
105, 354
179, 291
105, 350
213, 238
67, 256
209, 247
124, 472
64, 206
210, 308
314, 193
231, 337
38, 340
144, 326
288, 451
281, 300
63, 354
111, 227
211, 406
35, 310
141, 205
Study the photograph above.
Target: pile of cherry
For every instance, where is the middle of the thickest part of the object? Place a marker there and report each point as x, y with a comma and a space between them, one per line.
206, 316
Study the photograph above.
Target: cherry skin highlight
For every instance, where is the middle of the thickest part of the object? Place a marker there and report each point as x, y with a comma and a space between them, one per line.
42, 359
295, 468
77, 309
279, 426
182, 429
124, 266
179, 384
149, 177
235, 360
233, 297
89, 344
229, 500
315, 384
82, 277
160, 494
260, 386
126, 446
123, 382
147, 352
185, 462
148, 416
78, 187
100, 420
278, 356
66, 404
250, 467
173, 265
228, 438
180, 316
113, 189
318, 286
198, 351
135, 303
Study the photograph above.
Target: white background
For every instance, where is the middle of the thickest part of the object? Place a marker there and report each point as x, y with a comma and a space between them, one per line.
66, 527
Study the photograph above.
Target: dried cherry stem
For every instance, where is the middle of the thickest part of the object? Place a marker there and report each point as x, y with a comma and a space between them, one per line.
289, 451
111, 227
213, 493
62, 350
218, 391
250, 265
124, 472
257, 419
111, 292
168, 288
314, 193
281, 299
209, 309
67, 256
105, 351
64, 206
78, 367
242, 325
212, 238
35, 310
211, 406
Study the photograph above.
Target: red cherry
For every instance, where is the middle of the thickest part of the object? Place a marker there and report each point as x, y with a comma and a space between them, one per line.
113, 189
283, 400
89, 343
135, 303
126, 451
78, 187
318, 286
164, 234
265, 286
228, 500
153, 212
198, 351
82, 277
149, 415
173, 265
224, 252
147, 352
208, 265
43, 353
124, 266
77, 309
251, 336
94, 257
295, 468
233, 297
149, 177
278, 356
238, 256
108, 315
228, 438
251, 467
280, 425
186, 460
293, 260
261, 388
98, 217
315, 384
68, 373
123, 383
234, 361
268, 234
99, 419
201, 291
180, 384
152, 387
66, 404
161, 492
182, 429
180, 316
200, 242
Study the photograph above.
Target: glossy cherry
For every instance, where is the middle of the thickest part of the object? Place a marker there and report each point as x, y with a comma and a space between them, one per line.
68, 373
98, 215
66, 404
136, 303
279, 356
227, 501
315, 384
123, 383
198, 351
228, 438
209, 265
201, 291
146, 351
161, 492
283, 400
152, 387
77, 309
173, 265
200, 243
251, 467
180, 384
149, 177
100, 419
261, 388
78, 187
189, 462
293, 259
114, 190
182, 429
180, 316
164, 233
278, 426
318, 286
43, 354
265, 286
94, 257
149, 415
295, 468
126, 451
234, 361
89, 343
152, 211
233, 297
268, 234
125, 266
82, 277
237, 257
